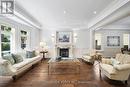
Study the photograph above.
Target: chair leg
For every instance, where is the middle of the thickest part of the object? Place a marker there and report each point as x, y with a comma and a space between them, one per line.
100, 74
125, 81
14, 77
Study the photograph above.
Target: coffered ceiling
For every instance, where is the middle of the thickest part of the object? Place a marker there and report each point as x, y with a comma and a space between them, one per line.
63, 13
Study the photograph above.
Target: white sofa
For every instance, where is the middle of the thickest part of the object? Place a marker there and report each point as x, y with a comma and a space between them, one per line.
89, 57
6, 69
118, 71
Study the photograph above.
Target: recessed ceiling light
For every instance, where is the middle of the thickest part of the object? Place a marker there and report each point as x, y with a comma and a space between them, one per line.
94, 12
64, 11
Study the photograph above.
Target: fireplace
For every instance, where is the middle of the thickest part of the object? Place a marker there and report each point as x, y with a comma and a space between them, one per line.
64, 52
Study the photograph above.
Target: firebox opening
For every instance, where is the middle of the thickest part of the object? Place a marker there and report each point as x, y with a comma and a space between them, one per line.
64, 52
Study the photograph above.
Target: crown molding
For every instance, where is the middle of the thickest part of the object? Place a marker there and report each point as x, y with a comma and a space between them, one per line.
115, 5
117, 27
23, 15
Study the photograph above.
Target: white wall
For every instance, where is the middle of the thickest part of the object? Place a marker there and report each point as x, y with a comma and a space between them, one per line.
83, 42
34, 37
110, 51
80, 47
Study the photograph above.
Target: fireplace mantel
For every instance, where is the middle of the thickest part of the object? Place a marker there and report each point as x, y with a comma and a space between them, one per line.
61, 46
64, 45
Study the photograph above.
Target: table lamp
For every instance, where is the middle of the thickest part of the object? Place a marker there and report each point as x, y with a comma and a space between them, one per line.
42, 45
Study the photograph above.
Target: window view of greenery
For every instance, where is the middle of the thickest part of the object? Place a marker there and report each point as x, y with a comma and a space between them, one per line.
23, 39
5, 40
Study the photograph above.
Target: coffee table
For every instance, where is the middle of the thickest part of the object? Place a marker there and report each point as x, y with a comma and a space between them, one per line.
64, 65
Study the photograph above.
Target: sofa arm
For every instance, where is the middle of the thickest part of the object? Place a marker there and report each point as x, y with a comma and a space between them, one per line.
122, 67
106, 61
6, 68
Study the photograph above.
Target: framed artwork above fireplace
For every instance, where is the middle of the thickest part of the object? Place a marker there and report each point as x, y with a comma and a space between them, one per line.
64, 36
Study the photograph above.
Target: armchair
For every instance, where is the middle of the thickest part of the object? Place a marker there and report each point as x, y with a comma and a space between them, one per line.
90, 57
116, 69
125, 50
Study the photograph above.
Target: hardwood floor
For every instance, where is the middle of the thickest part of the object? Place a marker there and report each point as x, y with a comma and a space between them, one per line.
38, 77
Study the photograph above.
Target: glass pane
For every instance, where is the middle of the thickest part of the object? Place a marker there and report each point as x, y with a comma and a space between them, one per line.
126, 39
5, 40
5, 46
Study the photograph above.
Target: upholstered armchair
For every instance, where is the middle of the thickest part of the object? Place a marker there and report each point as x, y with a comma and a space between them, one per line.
116, 68
89, 57
6, 68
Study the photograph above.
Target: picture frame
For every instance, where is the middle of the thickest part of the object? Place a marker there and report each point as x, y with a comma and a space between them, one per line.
113, 40
64, 36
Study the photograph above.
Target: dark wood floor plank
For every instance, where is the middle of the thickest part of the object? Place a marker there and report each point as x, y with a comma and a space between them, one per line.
38, 77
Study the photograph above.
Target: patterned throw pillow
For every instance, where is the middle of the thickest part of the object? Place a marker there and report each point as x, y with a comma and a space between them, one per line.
30, 54
18, 58
9, 58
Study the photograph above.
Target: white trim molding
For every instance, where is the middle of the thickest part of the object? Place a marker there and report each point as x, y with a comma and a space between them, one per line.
115, 5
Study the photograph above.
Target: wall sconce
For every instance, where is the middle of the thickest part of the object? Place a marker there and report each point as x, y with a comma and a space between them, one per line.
53, 37
75, 37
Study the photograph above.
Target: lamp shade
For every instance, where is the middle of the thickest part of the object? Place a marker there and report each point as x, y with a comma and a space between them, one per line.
42, 44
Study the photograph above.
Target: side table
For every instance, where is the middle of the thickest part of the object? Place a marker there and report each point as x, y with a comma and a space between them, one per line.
43, 54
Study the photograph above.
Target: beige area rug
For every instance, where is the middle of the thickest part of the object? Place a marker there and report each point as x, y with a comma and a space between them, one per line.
65, 66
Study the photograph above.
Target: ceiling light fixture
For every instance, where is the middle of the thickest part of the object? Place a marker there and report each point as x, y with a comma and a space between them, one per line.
64, 11
95, 12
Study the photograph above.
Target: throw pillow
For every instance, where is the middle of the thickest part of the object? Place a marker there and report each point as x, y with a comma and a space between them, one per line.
30, 54
115, 62
9, 58
18, 58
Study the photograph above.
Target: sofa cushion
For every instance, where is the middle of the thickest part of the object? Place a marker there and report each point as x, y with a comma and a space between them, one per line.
18, 58
30, 54
9, 58
21, 64
108, 68
23, 54
107, 61
122, 67
127, 58
26, 62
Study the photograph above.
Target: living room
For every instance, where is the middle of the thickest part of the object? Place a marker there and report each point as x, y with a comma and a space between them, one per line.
65, 43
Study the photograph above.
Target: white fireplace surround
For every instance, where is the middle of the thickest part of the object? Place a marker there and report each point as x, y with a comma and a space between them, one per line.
63, 45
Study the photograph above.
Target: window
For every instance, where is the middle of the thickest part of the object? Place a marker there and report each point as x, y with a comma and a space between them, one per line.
126, 39
5, 40
98, 41
23, 39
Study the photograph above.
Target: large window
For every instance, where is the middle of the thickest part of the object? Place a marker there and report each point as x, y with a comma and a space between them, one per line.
5, 40
98, 41
126, 38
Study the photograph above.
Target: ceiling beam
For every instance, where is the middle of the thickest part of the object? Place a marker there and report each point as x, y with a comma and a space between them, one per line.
108, 16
